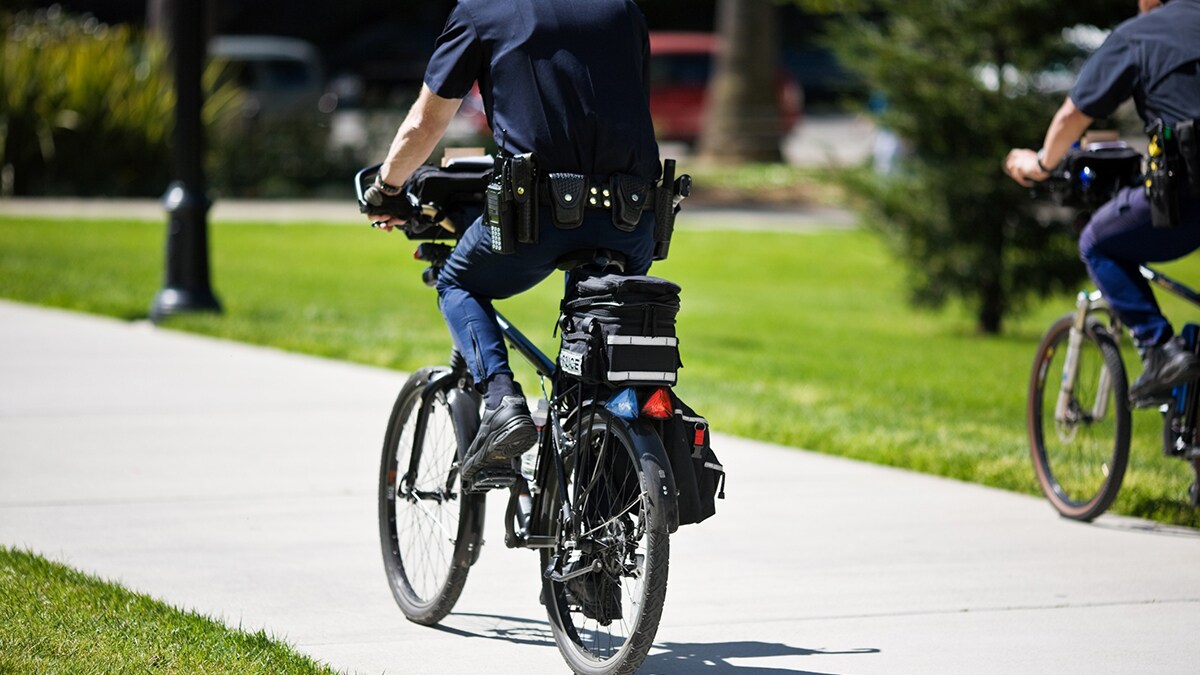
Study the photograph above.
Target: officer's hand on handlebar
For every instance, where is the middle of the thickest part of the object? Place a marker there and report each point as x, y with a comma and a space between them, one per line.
386, 208
1022, 165
385, 221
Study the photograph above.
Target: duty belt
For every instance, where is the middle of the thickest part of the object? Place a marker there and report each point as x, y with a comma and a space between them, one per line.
569, 194
517, 191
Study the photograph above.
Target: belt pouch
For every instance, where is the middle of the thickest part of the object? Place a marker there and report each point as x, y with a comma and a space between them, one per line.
1189, 150
524, 196
567, 193
1161, 179
1164, 202
497, 214
631, 193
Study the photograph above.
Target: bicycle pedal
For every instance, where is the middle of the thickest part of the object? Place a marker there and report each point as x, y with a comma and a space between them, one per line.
491, 479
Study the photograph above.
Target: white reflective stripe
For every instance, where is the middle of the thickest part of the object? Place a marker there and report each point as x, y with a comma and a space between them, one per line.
714, 465
693, 420
642, 340
666, 376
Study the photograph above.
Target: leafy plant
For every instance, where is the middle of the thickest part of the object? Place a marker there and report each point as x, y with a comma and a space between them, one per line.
87, 108
961, 82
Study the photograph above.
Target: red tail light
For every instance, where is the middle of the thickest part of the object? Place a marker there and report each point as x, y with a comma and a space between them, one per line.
658, 406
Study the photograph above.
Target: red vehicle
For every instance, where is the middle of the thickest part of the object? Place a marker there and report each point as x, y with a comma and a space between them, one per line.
681, 65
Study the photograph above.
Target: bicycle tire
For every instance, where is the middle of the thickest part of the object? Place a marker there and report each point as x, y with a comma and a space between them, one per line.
430, 532
1080, 462
627, 508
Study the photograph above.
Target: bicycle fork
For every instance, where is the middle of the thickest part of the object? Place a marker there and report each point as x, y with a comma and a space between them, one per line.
1085, 304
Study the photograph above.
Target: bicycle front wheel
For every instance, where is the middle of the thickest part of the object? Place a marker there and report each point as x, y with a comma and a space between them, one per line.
1079, 448
606, 579
430, 530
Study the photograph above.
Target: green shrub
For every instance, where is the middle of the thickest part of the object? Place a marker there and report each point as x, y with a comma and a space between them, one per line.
273, 156
87, 108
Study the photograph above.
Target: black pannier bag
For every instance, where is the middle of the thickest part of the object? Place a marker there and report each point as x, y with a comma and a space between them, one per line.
457, 189
699, 476
620, 330
1099, 171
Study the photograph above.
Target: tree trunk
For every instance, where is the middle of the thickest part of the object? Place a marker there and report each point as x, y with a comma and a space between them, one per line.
991, 310
993, 298
742, 121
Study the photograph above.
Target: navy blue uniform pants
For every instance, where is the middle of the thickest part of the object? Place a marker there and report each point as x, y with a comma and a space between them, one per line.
1118, 239
474, 276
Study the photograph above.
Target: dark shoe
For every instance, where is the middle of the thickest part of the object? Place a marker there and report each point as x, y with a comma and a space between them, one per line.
1166, 366
505, 432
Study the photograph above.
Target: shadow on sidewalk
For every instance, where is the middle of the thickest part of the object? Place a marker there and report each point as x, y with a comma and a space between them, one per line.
713, 658
666, 658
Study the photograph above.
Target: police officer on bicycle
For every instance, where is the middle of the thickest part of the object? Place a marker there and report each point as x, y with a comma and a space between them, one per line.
1154, 58
565, 88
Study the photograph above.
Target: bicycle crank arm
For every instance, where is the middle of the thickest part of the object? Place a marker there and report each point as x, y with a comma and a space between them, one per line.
560, 578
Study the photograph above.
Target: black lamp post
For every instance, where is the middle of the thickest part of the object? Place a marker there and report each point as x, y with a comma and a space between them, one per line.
186, 286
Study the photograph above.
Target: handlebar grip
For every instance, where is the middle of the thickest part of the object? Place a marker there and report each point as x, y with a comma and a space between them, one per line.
372, 201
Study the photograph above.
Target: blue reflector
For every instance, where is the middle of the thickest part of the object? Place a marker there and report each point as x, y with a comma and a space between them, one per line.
624, 404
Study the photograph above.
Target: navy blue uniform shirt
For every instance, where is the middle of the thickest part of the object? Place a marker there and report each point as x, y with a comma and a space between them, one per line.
565, 79
1155, 58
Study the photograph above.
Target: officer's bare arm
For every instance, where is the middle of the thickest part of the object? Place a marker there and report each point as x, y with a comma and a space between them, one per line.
418, 135
1069, 123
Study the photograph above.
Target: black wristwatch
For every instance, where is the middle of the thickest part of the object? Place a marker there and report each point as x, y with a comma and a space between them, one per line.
386, 189
1040, 154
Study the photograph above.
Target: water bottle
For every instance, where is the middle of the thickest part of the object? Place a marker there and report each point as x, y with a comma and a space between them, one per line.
529, 460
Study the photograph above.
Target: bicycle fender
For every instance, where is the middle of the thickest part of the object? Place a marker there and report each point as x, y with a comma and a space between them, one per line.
464, 409
653, 457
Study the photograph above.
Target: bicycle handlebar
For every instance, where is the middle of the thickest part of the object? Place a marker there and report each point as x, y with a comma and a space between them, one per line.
398, 206
1090, 176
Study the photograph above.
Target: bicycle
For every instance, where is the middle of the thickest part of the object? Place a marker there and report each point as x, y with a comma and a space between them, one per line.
595, 497
1079, 436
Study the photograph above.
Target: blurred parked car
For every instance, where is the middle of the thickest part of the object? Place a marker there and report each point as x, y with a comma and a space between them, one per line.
681, 65
278, 75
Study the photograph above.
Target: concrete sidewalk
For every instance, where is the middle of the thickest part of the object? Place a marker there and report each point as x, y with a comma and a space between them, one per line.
240, 482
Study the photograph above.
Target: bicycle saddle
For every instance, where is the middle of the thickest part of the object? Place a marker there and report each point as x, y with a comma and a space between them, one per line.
600, 258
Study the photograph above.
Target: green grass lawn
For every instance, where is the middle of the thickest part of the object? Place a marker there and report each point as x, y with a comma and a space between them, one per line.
799, 339
56, 620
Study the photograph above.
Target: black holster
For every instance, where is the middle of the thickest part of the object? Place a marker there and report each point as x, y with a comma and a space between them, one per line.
666, 204
1162, 176
1187, 136
523, 187
510, 204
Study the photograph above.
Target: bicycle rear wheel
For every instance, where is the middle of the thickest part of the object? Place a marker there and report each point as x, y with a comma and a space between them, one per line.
606, 579
430, 530
1079, 459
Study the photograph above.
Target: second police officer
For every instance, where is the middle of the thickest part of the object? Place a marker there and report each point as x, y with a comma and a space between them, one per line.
1155, 59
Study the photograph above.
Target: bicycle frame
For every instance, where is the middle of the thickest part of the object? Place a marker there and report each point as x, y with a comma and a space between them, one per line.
1086, 305
1091, 304
1170, 285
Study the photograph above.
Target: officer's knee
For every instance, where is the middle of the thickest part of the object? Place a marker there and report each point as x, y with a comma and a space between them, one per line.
1087, 243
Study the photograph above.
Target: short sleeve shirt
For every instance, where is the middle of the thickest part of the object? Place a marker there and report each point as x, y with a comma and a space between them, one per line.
565, 79
1154, 58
